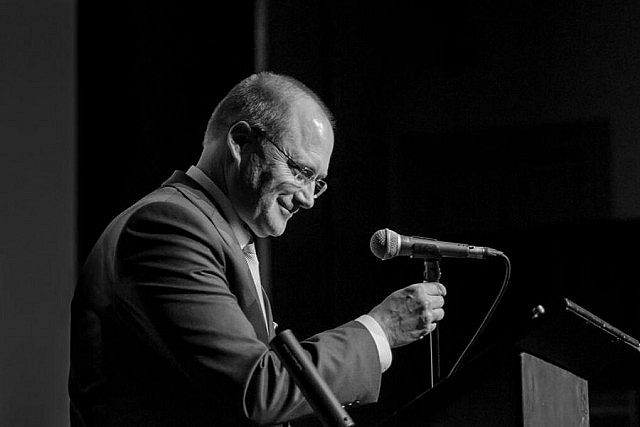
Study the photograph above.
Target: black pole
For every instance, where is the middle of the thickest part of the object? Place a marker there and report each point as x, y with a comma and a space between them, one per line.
306, 376
432, 274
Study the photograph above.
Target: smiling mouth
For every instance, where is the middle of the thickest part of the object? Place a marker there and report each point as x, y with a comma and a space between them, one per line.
289, 211
285, 209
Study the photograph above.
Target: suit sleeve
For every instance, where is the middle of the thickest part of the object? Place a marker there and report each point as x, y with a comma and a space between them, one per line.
174, 292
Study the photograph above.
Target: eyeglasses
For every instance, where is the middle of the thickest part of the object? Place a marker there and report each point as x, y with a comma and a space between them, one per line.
302, 174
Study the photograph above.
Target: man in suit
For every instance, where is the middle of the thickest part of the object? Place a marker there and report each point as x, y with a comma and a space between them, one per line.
170, 325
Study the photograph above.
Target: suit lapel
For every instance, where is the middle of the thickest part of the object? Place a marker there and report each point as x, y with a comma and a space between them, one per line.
245, 290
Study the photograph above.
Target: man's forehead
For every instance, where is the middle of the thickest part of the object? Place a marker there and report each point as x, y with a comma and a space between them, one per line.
310, 123
312, 136
321, 125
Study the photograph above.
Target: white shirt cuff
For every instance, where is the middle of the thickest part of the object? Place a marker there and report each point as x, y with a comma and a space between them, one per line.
380, 338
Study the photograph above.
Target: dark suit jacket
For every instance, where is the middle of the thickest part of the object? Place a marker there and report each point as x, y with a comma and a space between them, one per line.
166, 327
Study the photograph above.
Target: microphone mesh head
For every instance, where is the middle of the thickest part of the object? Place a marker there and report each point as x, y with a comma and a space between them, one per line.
384, 244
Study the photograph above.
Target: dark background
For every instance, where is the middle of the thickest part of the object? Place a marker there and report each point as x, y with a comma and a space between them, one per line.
510, 124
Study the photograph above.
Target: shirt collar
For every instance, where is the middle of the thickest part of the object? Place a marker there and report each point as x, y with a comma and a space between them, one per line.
240, 231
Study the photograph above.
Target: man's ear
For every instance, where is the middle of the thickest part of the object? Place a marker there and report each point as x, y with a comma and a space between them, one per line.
238, 136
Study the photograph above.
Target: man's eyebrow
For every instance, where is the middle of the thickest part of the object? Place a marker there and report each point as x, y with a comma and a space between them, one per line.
316, 173
302, 164
306, 168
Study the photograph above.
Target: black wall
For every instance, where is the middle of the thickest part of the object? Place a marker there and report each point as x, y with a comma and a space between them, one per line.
149, 76
507, 124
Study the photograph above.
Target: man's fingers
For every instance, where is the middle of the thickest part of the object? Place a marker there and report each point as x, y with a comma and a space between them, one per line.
435, 288
428, 317
427, 331
411, 312
434, 302
437, 315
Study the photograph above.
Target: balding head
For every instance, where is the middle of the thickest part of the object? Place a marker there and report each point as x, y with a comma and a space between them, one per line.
265, 100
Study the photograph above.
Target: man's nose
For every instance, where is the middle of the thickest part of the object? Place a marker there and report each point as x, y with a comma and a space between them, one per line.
304, 196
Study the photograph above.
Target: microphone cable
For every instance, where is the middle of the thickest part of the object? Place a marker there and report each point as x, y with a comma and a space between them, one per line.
489, 314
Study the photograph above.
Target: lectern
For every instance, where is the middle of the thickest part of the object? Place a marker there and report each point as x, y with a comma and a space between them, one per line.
538, 378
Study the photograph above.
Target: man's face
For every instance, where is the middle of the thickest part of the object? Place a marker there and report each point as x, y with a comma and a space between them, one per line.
265, 191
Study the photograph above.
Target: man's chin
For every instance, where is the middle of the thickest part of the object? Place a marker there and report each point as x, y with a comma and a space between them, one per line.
279, 229
270, 229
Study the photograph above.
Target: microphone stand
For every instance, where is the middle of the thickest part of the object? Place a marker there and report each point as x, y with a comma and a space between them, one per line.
432, 274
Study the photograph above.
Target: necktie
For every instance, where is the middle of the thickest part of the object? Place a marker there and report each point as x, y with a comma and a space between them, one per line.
251, 256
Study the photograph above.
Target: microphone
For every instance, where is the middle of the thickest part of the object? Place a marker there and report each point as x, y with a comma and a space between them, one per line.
386, 244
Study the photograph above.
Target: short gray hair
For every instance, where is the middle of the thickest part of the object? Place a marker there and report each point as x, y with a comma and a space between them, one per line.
263, 99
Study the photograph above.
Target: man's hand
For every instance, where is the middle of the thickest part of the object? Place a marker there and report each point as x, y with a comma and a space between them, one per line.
411, 313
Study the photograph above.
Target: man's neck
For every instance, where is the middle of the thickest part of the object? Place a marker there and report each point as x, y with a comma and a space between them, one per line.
215, 171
